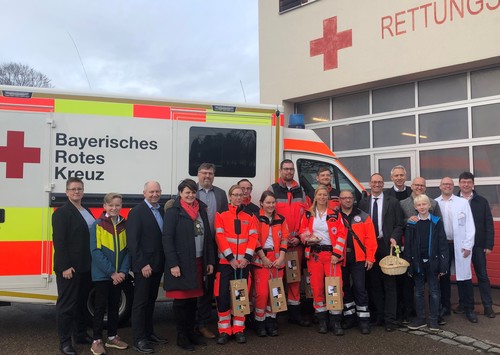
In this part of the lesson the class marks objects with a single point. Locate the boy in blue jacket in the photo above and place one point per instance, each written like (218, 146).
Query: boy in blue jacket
(426, 250)
(110, 266)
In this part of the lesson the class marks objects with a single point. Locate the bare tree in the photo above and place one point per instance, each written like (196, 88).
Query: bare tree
(22, 75)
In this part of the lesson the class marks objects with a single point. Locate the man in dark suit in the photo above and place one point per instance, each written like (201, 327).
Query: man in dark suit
(144, 240)
(71, 239)
(399, 190)
(387, 217)
(216, 200)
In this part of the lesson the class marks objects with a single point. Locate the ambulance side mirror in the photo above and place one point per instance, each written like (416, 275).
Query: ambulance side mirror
(2, 215)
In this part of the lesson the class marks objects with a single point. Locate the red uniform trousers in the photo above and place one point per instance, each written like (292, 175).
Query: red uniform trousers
(293, 289)
(223, 300)
(261, 276)
(320, 266)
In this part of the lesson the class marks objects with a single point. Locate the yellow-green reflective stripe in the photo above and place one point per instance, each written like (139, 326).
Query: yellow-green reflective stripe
(28, 295)
(24, 224)
(94, 108)
(250, 119)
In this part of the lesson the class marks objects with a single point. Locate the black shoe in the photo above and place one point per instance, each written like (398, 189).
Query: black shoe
(143, 346)
(390, 327)
(445, 311)
(471, 316)
(459, 310)
(488, 312)
(364, 327)
(223, 339)
(376, 323)
(417, 324)
(196, 339)
(183, 342)
(349, 322)
(83, 338)
(155, 339)
(67, 349)
(261, 330)
(337, 329)
(323, 327)
(240, 338)
(441, 321)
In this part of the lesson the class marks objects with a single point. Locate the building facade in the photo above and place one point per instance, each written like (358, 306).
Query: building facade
(392, 82)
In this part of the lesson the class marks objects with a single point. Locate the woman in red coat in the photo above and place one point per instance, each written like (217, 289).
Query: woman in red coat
(324, 234)
(269, 259)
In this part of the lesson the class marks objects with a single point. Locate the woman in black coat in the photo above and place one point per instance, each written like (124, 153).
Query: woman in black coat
(189, 258)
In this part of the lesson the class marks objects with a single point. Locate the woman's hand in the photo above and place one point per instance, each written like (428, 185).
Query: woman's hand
(243, 263)
(280, 262)
(210, 269)
(335, 259)
(175, 271)
(234, 264)
(266, 262)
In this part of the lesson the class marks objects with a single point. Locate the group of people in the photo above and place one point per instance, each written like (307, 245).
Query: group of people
(203, 239)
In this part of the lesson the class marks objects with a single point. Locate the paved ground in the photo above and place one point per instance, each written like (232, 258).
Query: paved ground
(30, 329)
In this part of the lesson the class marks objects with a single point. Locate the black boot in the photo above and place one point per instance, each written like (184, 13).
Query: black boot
(260, 328)
(336, 325)
(323, 322)
(181, 316)
(349, 322)
(194, 338)
(295, 317)
(364, 326)
(272, 327)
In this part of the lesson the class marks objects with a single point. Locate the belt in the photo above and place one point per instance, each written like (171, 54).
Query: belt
(320, 248)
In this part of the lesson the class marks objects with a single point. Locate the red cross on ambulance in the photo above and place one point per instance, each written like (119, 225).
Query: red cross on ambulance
(14, 154)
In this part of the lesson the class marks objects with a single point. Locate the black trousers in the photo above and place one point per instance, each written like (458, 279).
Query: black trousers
(107, 296)
(382, 291)
(145, 294)
(185, 315)
(444, 282)
(71, 302)
(356, 293)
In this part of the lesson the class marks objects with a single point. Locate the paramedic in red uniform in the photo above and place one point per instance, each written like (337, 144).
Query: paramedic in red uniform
(269, 261)
(324, 177)
(323, 232)
(72, 260)
(236, 237)
(291, 203)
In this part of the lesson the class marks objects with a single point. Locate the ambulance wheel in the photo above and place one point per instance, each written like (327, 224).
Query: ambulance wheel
(125, 308)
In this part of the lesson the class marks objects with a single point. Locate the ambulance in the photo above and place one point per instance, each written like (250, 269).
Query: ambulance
(116, 144)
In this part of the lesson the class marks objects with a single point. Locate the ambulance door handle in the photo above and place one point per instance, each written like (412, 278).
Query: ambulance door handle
(2, 215)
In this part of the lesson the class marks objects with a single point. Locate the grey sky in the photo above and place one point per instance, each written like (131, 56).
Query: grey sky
(186, 49)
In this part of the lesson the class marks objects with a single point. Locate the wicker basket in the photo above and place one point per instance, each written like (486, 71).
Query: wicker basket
(393, 265)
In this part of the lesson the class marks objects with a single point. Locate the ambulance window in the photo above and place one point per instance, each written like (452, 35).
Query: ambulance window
(307, 169)
(233, 151)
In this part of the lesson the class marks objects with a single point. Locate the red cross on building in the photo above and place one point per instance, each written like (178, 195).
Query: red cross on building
(15, 155)
(331, 42)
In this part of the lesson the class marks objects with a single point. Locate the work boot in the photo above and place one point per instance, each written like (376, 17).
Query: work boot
(260, 328)
(364, 327)
(336, 325)
(349, 322)
(323, 322)
(272, 326)
(294, 316)
(183, 341)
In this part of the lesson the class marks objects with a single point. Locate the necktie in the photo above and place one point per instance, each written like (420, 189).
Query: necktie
(375, 215)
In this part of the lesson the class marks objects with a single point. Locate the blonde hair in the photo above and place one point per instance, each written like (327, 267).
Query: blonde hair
(421, 198)
(315, 203)
(232, 188)
(108, 198)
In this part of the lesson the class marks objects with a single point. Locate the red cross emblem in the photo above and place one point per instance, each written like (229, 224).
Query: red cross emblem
(331, 42)
(15, 155)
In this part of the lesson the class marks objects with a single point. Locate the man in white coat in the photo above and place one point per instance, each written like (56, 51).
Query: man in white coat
(460, 231)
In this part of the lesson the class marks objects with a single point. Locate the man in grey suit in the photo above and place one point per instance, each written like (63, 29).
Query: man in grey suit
(216, 200)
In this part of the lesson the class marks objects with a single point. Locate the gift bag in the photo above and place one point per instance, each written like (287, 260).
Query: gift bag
(306, 284)
(240, 302)
(292, 267)
(333, 291)
(277, 297)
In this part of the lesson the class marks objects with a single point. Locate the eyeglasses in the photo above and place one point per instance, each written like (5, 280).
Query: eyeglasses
(75, 189)
(237, 195)
(346, 198)
(246, 188)
(418, 185)
(377, 182)
(288, 169)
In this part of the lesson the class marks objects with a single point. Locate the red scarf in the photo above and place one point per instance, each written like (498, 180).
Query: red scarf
(192, 210)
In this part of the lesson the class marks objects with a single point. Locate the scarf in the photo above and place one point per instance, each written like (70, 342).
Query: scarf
(192, 210)
(246, 200)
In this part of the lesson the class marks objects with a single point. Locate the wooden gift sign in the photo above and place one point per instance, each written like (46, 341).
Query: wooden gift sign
(240, 303)
(277, 295)
(306, 283)
(292, 267)
(333, 292)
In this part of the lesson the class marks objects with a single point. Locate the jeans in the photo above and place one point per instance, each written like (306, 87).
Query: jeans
(479, 262)
(434, 294)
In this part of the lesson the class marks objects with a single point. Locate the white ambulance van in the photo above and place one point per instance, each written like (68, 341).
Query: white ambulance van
(117, 143)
